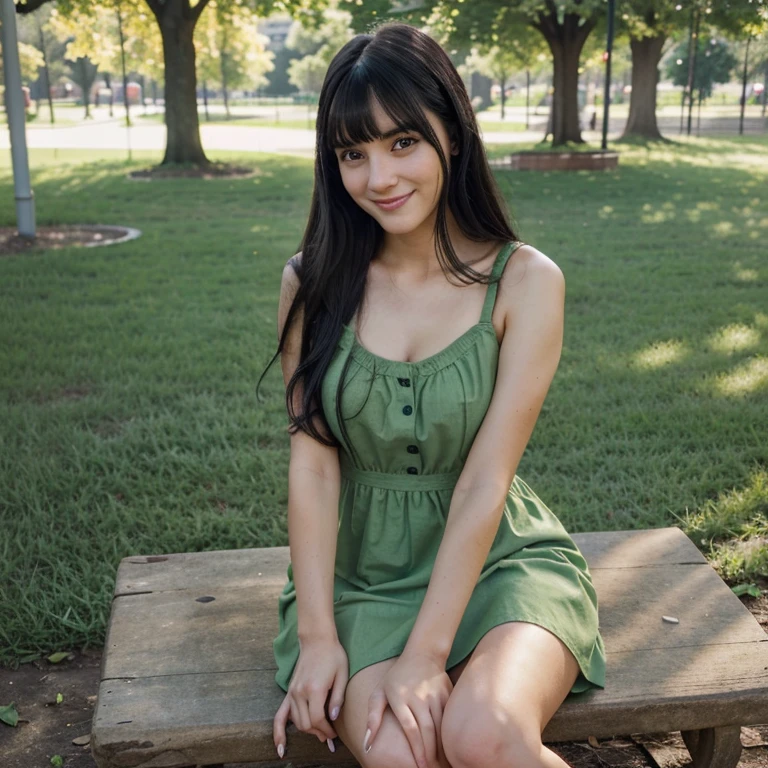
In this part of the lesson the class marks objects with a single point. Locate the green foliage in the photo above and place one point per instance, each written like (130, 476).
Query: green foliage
(714, 64)
(229, 47)
(319, 44)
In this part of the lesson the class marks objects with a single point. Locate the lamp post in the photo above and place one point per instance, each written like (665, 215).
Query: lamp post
(607, 60)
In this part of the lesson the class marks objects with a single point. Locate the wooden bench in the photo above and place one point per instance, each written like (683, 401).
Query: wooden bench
(187, 675)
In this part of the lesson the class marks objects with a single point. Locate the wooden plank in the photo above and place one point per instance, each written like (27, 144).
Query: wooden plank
(178, 720)
(217, 569)
(172, 632)
(241, 567)
(637, 549)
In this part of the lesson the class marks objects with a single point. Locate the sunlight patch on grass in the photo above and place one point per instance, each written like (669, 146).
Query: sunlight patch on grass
(733, 338)
(659, 216)
(747, 378)
(723, 228)
(660, 354)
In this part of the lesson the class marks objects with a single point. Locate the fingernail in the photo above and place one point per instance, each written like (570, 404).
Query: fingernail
(335, 713)
(366, 748)
(280, 750)
(329, 742)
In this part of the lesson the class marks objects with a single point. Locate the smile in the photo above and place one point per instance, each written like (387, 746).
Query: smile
(396, 203)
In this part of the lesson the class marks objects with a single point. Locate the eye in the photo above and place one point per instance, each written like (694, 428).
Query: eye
(343, 156)
(346, 152)
(407, 138)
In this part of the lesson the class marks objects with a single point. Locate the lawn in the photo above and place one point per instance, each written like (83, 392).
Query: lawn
(130, 421)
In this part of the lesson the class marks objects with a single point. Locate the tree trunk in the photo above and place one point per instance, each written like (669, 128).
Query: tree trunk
(565, 41)
(177, 26)
(224, 84)
(108, 81)
(646, 54)
(85, 85)
(503, 96)
(45, 69)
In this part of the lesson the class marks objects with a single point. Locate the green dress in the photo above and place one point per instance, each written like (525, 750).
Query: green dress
(410, 427)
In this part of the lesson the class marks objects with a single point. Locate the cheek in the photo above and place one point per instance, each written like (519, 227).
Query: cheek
(353, 180)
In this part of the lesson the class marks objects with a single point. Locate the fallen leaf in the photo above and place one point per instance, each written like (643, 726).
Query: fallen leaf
(9, 715)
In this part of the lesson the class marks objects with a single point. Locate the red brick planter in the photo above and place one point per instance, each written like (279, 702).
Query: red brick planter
(560, 161)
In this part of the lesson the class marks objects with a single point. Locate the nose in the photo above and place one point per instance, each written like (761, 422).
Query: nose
(381, 173)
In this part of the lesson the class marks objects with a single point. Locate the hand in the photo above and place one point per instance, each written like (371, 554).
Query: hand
(417, 688)
(322, 665)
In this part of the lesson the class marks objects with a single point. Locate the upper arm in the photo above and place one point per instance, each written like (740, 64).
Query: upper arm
(305, 450)
(533, 293)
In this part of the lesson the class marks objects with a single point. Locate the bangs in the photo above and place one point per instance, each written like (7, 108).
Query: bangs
(350, 117)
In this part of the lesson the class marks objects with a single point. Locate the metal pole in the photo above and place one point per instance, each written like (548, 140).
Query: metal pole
(16, 110)
(608, 49)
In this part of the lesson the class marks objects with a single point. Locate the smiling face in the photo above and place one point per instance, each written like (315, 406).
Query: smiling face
(397, 164)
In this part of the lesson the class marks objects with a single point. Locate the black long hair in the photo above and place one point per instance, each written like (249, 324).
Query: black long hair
(406, 71)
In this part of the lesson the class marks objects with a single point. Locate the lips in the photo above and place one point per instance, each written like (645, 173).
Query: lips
(393, 202)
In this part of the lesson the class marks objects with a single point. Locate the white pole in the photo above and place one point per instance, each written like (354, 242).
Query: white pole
(16, 112)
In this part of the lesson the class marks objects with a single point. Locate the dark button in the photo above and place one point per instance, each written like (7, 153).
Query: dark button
(413, 471)
(407, 410)
(404, 382)
(412, 449)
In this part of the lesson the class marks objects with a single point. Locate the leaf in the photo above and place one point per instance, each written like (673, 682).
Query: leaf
(9, 715)
(57, 761)
(746, 589)
(55, 658)
(59, 698)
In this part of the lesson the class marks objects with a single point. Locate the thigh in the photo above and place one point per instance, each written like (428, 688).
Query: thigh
(518, 666)
(391, 748)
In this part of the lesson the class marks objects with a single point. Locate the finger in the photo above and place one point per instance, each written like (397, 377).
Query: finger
(317, 716)
(278, 725)
(296, 717)
(412, 731)
(303, 723)
(437, 718)
(336, 701)
(377, 703)
(426, 725)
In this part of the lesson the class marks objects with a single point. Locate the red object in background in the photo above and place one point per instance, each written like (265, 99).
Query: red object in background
(27, 99)
(605, 55)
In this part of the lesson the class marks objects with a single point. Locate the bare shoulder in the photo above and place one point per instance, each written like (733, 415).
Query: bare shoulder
(530, 271)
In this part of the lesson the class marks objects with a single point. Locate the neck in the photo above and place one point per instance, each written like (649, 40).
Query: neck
(414, 254)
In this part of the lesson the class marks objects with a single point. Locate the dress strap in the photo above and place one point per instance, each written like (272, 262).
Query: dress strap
(498, 268)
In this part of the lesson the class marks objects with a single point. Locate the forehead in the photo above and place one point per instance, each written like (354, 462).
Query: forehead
(365, 120)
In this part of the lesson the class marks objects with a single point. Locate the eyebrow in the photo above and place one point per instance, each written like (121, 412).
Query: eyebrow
(383, 136)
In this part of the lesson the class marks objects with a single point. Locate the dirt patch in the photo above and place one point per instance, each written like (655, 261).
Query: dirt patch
(63, 236)
(209, 171)
(47, 728)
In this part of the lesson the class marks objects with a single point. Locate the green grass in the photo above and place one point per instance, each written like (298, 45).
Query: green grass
(129, 418)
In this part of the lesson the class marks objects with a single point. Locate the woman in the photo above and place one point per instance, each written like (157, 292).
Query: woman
(437, 613)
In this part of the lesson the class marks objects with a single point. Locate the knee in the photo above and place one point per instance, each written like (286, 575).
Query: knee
(390, 748)
(491, 738)
(388, 755)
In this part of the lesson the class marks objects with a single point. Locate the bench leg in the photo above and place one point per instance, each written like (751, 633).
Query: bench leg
(714, 747)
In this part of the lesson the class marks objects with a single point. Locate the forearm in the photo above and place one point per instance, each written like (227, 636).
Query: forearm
(313, 520)
(473, 520)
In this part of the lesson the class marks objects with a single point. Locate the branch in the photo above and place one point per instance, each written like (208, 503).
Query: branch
(29, 6)
(156, 7)
(195, 12)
